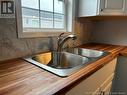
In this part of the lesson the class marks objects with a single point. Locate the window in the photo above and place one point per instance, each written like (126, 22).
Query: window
(43, 16)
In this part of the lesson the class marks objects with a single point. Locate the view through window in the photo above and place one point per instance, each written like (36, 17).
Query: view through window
(43, 14)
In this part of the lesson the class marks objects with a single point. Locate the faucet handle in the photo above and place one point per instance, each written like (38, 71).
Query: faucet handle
(60, 35)
(60, 38)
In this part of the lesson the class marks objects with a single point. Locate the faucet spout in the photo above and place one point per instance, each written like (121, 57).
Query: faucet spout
(64, 40)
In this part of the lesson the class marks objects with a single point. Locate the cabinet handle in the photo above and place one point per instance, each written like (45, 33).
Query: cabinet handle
(102, 93)
(101, 10)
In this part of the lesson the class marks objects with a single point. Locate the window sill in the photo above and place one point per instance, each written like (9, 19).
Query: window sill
(41, 34)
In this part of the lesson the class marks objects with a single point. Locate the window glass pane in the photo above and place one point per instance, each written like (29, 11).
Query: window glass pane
(46, 5)
(58, 21)
(30, 18)
(59, 6)
(58, 14)
(46, 19)
(48, 16)
(30, 3)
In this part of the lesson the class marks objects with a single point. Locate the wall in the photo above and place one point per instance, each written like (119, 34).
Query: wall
(13, 47)
(110, 31)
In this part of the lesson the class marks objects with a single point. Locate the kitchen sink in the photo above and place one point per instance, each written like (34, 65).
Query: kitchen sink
(66, 62)
(59, 63)
(87, 52)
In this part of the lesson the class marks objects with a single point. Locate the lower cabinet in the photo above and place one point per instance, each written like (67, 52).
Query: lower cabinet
(98, 83)
(106, 90)
(106, 86)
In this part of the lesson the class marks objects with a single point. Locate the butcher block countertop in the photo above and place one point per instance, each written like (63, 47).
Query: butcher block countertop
(18, 77)
(124, 52)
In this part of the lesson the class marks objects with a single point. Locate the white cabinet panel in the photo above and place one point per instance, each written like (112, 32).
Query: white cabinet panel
(87, 7)
(94, 84)
(114, 4)
(112, 7)
(102, 7)
(107, 89)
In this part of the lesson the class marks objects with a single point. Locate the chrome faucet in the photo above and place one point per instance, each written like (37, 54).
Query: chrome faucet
(62, 40)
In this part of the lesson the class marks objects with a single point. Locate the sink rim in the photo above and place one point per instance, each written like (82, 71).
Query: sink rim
(104, 52)
(65, 71)
(60, 72)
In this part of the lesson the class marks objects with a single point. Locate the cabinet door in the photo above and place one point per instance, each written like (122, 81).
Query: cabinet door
(112, 7)
(97, 92)
(107, 89)
(106, 86)
(91, 85)
(88, 8)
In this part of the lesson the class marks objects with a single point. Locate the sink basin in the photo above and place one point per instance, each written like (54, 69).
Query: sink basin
(87, 52)
(67, 62)
(59, 63)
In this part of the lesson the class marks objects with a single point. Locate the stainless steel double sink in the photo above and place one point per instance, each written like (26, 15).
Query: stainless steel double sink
(66, 62)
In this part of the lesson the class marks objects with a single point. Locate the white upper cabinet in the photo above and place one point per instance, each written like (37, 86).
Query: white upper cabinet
(102, 7)
(112, 7)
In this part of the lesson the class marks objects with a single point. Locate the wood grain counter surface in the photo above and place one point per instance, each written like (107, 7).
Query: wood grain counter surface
(19, 77)
(124, 52)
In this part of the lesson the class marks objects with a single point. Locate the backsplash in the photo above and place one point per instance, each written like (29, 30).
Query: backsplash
(13, 47)
(110, 32)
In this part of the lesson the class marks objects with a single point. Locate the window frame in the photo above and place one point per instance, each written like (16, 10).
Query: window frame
(46, 32)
